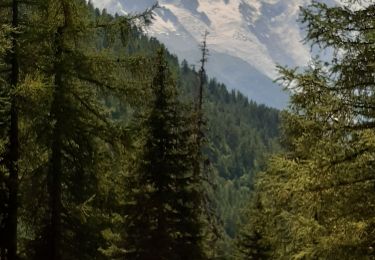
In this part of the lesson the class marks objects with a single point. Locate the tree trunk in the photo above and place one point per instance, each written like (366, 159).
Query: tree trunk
(13, 156)
(55, 169)
(199, 107)
(55, 205)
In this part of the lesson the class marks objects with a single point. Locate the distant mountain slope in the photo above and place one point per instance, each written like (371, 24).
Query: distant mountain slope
(247, 38)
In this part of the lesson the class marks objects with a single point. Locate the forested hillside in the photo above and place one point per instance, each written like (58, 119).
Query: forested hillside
(105, 150)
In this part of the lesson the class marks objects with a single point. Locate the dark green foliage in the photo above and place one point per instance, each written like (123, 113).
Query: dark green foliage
(240, 134)
(251, 246)
(164, 202)
(250, 241)
(13, 70)
(241, 129)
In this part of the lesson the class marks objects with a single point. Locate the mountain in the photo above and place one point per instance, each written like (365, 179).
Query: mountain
(247, 38)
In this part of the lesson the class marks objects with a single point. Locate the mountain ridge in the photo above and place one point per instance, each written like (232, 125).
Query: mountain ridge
(247, 39)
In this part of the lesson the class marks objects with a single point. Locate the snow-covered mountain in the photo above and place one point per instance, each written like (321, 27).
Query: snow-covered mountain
(247, 38)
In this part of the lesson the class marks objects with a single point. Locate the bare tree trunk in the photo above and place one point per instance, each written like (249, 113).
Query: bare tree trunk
(13, 152)
(199, 107)
(55, 169)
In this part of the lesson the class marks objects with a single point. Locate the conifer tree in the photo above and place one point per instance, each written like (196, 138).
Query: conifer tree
(80, 137)
(317, 197)
(162, 212)
(250, 242)
(15, 18)
(199, 135)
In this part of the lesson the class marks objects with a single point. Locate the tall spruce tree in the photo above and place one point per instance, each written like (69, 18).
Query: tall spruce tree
(163, 208)
(250, 241)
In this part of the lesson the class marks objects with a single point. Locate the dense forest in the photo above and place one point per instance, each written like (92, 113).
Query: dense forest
(112, 148)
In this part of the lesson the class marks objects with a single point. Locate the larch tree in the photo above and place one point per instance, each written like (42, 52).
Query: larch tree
(317, 199)
(79, 135)
(15, 23)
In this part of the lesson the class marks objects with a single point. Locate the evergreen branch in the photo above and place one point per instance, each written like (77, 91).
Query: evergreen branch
(362, 126)
(89, 108)
(95, 82)
(127, 19)
(342, 184)
(350, 157)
